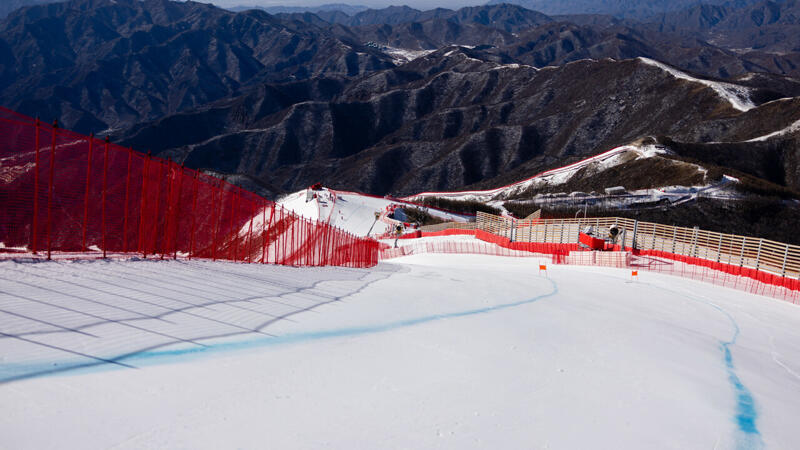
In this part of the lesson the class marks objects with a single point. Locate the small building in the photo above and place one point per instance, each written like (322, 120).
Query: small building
(616, 190)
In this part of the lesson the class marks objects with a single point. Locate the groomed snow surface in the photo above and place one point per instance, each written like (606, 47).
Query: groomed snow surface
(428, 351)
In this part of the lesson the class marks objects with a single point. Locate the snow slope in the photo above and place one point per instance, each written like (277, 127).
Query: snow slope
(793, 128)
(737, 96)
(352, 211)
(431, 351)
(561, 175)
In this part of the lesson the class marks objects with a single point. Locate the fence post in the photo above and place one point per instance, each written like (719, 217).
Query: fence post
(142, 214)
(86, 195)
(561, 234)
(127, 200)
(785, 255)
(177, 215)
(35, 189)
(217, 219)
(719, 248)
(266, 229)
(635, 232)
(250, 234)
(758, 254)
(741, 258)
(50, 191)
(194, 214)
(279, 238)
(158, 207)
(167, 211)
(105, 188)
(674, 238)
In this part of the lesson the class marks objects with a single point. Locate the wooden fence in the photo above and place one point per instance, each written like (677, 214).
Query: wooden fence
(750, 252)
(448, 226)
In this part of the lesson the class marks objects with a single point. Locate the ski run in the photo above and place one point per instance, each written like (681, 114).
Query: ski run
(425, 351)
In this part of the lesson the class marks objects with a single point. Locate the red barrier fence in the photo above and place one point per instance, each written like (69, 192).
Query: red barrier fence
(65, 192)
(720, 274)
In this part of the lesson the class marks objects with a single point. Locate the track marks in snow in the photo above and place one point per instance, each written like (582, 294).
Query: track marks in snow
(66, 316)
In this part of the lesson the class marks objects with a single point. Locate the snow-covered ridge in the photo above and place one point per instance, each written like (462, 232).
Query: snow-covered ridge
(790, 129)
(737, 96)
(403, 55)
(556, 176)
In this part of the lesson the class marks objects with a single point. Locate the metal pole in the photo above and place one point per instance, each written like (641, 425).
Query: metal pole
(234, 232)
(218, 204)
(105, 188)
(143, 202)
(266, 232)
(167, 212)
(158, 207)
(127, 198)
(50, 191)
(719, 248)
(785, 255)
(741, 258)
(86, 194)
(758, 254)
(35, 189)
(635, 232)
(194, 214)
(674, 239)
(177, 215)
(250, 234)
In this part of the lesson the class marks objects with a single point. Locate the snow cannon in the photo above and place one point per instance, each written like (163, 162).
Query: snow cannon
(590, 241)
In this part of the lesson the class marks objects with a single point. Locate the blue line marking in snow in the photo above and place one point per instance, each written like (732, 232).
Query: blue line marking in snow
(335, 333)
(23, 371)
(746, 413)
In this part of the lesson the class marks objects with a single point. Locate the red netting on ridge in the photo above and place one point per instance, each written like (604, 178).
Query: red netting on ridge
(64, 192)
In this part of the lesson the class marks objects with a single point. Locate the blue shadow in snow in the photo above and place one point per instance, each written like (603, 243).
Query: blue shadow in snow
(153, 357)
(170, 355)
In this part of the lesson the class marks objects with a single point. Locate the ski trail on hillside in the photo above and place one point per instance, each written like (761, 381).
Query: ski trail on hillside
(737, 96)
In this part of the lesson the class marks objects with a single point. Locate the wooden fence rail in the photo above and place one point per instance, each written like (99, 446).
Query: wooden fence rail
(750, 252)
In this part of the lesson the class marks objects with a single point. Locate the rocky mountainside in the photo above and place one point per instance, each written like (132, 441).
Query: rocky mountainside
(766, 26)
(399, 100)
(98, 64)
(464, 117)
(7, 6)
(634, 9)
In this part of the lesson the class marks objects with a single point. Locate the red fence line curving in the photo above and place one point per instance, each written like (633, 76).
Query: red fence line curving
(721, 274)
(66, 193)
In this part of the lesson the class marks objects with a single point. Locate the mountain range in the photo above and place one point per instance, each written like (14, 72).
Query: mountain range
(399, 100)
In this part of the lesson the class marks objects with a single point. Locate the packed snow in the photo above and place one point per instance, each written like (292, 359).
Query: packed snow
(737, 96)
(354, 212)
(428, 351)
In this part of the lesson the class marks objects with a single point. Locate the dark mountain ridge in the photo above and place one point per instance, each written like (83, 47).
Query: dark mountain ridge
(283, 101)
(461, 117)
(96, 64)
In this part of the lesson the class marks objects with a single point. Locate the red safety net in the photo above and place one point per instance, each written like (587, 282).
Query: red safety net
(66, 193)
(741, 278)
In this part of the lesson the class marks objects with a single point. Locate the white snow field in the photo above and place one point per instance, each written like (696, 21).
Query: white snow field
(352, 211)
(428, 351)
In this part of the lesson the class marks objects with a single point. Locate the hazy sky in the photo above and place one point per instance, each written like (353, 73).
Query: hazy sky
(418, 4)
